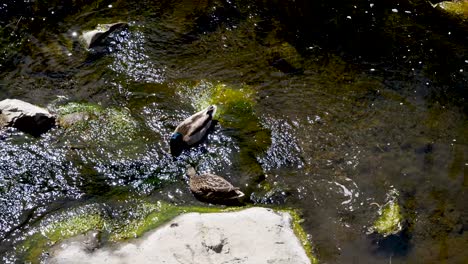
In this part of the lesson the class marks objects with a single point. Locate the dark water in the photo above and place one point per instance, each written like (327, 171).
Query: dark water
(341, 104)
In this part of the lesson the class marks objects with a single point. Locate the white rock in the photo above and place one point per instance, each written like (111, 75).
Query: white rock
(255, 236)
(25, 116)
(94, 37)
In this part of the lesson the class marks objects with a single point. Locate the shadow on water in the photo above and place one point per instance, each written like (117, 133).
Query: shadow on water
(325, 107)
(392, 246)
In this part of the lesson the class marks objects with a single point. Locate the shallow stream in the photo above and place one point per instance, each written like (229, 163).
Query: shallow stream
(325, 107)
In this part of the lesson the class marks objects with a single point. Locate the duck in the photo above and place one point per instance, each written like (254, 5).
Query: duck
(210, 187)
(192, 130)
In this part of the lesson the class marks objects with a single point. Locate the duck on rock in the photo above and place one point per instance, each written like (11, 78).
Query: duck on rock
(211, 187)
(192, 130)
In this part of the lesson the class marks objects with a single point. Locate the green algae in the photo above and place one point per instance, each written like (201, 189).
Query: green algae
(459, 7)
(158, 214)
(301, 234)
(236, 111)
(79, 107)
(35, 245)
(389, 221)
(104, 125)
(74, 226)
(390, 217)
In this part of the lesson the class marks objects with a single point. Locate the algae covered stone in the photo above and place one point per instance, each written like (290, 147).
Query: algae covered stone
(94, 123)
(142, 220)
(389, 221)
(266, 236)
(457, 7)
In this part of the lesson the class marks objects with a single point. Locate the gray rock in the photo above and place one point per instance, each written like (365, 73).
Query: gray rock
(69, 120)
(255, 235)
(95, 37)
(25, 117)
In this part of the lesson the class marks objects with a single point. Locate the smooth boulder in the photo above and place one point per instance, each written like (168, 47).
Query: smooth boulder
(96, 37)
(254, 235)
(25, 117)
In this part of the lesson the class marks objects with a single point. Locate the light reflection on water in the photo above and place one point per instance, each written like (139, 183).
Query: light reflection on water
(32, 174)
(284, 150)
(341, 137)
(131, 61)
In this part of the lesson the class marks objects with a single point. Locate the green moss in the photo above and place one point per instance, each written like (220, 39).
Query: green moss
(158, 214)
(74, 226)
(79, 107)
(455, 7)
(301, 234)
(35, 245)
(286, 52)
(236, 110)
(389, 221)
(104, 125)
(95, 128)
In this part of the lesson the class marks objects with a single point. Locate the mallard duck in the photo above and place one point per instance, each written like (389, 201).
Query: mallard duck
(191, 130)
(211, 187)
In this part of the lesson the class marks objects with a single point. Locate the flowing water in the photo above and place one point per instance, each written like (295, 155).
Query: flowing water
(325, 107)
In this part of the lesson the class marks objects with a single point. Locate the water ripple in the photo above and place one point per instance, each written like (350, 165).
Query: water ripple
(284, 149)
(31, 175)
(131, 60)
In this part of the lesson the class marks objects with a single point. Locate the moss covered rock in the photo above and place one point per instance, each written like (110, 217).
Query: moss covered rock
(93, 123)
(214, 238)
(124, 223)
(458, 7)
(236, 111)
(389, 221)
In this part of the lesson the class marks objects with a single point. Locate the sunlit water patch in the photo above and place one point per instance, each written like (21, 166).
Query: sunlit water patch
(284, 150)
(131, 59)
(32, 175)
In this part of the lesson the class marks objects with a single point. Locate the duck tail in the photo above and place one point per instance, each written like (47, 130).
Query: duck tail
(211, 110)
(239, 194)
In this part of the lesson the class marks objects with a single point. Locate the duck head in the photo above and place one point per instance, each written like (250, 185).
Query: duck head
(191, 172)
(177, 144)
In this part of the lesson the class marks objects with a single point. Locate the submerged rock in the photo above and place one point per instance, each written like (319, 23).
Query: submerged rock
(69, 120)
(26, 117)
(457, 7)
(390, 220)
(95, 37)
(255, 235)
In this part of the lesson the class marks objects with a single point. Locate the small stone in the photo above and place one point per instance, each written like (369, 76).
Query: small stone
(69, 120)
(95, 37)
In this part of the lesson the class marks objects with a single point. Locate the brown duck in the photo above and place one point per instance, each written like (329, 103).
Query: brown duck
(211, 187)
(192, 130)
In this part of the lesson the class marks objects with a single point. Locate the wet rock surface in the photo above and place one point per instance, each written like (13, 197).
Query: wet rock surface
(255, 235)
(95, 37)
(69, 120)
(26, 117)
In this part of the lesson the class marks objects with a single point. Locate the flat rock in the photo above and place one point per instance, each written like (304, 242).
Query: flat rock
(25, 117)
(255, 236)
